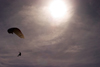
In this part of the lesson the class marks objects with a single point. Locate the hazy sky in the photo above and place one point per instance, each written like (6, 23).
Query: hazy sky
(73, 41)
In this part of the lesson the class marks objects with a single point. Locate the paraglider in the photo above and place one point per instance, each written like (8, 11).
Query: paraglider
(19, 54)
(16, 31)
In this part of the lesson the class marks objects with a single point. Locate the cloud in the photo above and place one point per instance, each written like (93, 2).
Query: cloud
(74, 44)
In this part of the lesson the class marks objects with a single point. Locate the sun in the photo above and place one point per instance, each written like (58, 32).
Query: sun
(57, 8)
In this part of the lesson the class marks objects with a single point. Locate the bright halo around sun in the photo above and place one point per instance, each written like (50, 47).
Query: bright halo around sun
(57, 8)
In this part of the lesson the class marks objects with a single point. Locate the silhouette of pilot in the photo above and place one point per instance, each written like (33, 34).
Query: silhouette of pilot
(19, 54)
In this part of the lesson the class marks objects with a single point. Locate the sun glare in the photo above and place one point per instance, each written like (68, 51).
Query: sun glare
(57, 8)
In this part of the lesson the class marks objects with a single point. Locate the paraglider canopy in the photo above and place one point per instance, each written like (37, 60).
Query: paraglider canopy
(17, 31)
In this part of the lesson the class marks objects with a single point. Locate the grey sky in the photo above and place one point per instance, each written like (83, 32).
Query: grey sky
(75, 43)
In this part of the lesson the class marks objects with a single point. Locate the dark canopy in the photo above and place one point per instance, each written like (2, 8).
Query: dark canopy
(16, 31)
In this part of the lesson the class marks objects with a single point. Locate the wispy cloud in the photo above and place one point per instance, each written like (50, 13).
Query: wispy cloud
(75, 44)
